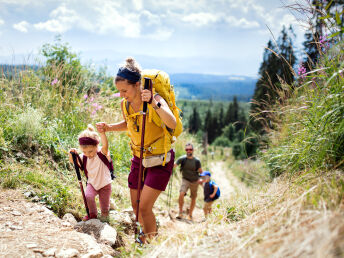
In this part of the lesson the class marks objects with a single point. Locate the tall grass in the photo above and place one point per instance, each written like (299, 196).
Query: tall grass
(310, 135)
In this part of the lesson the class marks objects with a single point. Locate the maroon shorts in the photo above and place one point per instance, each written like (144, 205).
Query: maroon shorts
(155, 177)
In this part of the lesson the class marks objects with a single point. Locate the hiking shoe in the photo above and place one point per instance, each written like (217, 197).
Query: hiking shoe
(180, 216)
(140, 238)
(189, 217)
(86, 218)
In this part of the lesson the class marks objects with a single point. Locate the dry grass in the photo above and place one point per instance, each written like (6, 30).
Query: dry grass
(280, 222)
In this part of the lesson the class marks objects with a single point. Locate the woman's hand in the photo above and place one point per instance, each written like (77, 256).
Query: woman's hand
(102, 127)
(146, 95)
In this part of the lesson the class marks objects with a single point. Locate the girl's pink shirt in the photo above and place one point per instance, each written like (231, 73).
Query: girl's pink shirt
(98, 173)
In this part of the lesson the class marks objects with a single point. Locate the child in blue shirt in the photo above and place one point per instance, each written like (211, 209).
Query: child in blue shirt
(211, 191)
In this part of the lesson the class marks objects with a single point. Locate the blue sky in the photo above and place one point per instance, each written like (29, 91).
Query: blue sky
(188, 36)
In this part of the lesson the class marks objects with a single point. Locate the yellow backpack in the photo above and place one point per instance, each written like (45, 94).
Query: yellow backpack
(162, 86)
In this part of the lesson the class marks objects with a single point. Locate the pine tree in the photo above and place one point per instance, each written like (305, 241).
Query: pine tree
(195, 122)
(208, 126)
(278, 61)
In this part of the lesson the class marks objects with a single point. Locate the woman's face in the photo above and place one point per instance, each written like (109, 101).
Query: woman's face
(128, 91)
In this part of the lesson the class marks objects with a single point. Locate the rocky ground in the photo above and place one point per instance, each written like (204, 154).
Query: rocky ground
(29, 229)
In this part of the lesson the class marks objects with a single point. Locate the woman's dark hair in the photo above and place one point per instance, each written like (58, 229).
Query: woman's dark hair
(132, 65)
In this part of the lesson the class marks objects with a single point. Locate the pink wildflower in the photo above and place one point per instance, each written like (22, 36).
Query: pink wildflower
(85, 96)
(54, 81)
(116, 95)
(91, 100)
(302, 71)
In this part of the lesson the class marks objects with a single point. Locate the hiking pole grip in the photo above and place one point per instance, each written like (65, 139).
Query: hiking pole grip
(147, 86)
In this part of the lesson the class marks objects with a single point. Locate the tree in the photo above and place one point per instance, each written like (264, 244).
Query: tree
(276, 68)
(333, 11)
(229, 132)
(195, 122)
(209, 126)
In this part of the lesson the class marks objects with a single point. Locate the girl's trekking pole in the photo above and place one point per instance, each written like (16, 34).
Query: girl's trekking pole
(147, 86)
(76, 166)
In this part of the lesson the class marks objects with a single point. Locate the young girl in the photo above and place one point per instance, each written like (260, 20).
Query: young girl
(99, 178)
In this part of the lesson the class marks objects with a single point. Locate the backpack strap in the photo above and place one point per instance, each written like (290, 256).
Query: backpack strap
(108, 163)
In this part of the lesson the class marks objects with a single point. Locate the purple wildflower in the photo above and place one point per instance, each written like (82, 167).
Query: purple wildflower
(94, 112)
(302, 71)
(54, 81)
(116, 95)
(85, 96)
(91, 99)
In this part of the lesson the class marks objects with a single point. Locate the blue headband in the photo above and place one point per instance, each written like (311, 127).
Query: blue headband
(129, 75)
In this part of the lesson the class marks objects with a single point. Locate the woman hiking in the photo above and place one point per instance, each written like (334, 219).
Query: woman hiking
(155, 178)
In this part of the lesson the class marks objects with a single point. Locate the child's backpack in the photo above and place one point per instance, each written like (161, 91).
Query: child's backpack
(162, 86)
(105, 160)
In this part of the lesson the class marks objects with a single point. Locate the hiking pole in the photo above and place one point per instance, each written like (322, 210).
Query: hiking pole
(147, 86)
(76, 166)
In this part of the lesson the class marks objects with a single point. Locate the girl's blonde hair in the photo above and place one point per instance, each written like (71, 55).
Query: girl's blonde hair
(90, 132)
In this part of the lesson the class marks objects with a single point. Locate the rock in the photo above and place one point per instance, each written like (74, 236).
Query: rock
(13, 227)
(101, 231)
(67, 253)
(31, 245)
(28, 194)
(66, 224)
(7, 208)
(35, 199)
(70, 218)
(93, 254)
(50, 252)
(112, 204)
(16, 213)
(108, 235)
(121, 218)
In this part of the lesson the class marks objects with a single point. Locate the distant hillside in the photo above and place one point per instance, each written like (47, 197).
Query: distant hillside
(9, 70)
(216, 87)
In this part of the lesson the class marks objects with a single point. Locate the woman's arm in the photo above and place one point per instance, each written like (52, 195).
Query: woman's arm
(120, 126)
(163, 111)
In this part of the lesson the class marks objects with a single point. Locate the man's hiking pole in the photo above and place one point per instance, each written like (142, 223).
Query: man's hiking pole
(76, 166)
(147, 86)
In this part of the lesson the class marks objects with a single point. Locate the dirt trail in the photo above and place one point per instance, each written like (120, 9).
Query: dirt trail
(229, 185)
(31, 230)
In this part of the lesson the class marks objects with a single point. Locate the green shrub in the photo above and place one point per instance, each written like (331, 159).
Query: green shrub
(222, 141)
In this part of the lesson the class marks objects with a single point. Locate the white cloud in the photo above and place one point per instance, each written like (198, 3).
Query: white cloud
(241, 23)
(138, 5)
(22, 26)
(1, 22)
(200, 19)
(62, 20)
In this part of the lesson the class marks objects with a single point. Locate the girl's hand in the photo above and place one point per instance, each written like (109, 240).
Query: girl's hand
(146, 95)
(101, 127)
(73, 150)
(212, 196)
